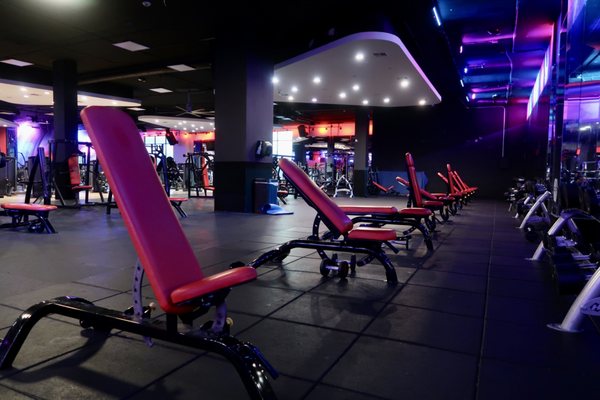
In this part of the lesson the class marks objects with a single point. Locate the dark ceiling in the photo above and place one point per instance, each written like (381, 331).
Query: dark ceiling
(510, 35)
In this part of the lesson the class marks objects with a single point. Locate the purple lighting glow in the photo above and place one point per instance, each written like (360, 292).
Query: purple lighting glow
(477, 39)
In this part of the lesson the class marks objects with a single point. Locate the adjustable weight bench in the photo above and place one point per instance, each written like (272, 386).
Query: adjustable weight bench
(342, 235)
(415, 197)
(165, 255)
(378, 216)
(20, 214)
(448, 201)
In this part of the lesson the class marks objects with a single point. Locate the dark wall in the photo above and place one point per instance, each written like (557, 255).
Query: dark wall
(470, 139)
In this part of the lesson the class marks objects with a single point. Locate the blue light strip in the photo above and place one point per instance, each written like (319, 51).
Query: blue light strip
(437, 17)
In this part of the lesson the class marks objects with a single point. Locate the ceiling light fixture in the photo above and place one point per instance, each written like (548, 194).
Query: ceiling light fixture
(314, 99)
(16, 63)
(365, 102)
(317, 80)
(359, 56)
(422, 102)
(356, 87)
(342, 95)
(274, 80)
(291, 98)
(161, 90)
(131, 46)
(386, 100)
(294, 89)
(404, 82)
(181, 67)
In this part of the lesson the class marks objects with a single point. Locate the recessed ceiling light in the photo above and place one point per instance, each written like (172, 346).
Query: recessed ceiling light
(317, 80)
(295, 89)
(275, 80)
(462, 83)
(181, 67)
(157, 121)
(26, 96)
(359, 56)
(23, 89)
(16, 63)
(46, 92)
(365, 102)
(161, 90)
(136, 109)
(131, 46)
(314, 99)
(422, 102)
(386, 100)
(356, 87)
(473, 96)
(342, 95)
(290, 98)
(114, 103)
(404, 82)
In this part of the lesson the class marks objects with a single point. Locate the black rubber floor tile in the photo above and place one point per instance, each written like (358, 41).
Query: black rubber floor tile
(10, 394)
(448, 280)
(458, 266)
(8, 315)
(527, 382)
(301, 351)
(214, 378)
(50, 338)
(264, 299)
(521, 289)
(330, 311)
(401, 370)
(27, 299)
(287, 279)
(455, 255)
(417, 325)
(115, 279)
(538, 345)
(90, 373)
(14, 284)
(531, 272)
(367, 290)
(526, 311)
(333, 393)
(443, 300)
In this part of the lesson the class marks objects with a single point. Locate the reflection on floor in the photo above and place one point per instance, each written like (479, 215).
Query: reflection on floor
(466, 322)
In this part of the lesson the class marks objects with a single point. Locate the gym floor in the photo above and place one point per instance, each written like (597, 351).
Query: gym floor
(467, 321)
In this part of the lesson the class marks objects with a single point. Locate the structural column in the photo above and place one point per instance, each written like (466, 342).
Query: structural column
(244, 115)
(361, 153)
(65, 121)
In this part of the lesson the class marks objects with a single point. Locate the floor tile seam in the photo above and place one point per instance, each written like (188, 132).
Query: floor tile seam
(419, 344)
(163, 376)
(374, 396)
(436, 310)
(357, 337)
(450, 272)
(479, 366)
(29, 395)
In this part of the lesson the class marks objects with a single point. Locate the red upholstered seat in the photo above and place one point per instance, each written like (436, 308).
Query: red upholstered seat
(229, 278)
(415, 212)
(368, 210)
(28, 207)
(161, 245)
(378, 234)
(432, 203)
(178, 199)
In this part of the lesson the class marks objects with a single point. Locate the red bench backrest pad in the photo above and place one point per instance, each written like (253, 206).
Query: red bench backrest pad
(159, 240)
(323, 204)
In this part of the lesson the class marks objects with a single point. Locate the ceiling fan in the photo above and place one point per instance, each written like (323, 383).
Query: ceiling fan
(189, 109)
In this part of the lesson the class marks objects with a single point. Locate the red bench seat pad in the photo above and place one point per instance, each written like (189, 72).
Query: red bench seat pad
(367, 210)
(229, 278)
(28, 207)
(378, 234)
(415, 212)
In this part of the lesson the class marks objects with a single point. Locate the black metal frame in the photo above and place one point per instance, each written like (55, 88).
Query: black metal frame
(333, 240)
(20, 217)
(246, 358)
